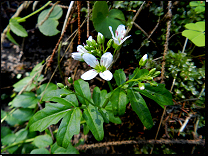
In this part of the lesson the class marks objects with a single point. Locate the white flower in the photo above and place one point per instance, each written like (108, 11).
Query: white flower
(80, 51)
(101, 68)
(119, 34)
(144, 58)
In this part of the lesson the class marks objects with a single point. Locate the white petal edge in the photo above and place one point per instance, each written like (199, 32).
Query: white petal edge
(110, 28)
(89, 75)
(106, 75)
(90, 59)
(81, 49)
(77, 56)
(125, 39)
(106, 59)
(90, 38)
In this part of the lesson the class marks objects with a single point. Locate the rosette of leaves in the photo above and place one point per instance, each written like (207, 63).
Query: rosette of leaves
(189, 79)
(48, 28)
(102, 18)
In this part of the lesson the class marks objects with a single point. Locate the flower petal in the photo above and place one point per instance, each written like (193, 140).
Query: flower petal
(77, 56)
(122, 41)
(90, 38)
(106, 59)
(121, 31)
(81, 49)
(90, 59)
(110, 28)
(106, 75)
(89, 74)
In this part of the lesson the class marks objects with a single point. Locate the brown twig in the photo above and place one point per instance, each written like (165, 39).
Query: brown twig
(88, 18)
(152, 141)
(158, 127)
(47, 16)
(166, 42)
(79, 31)
(62, 6)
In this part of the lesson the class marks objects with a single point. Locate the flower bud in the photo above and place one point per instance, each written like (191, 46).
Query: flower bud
(100, 38)
(152, 71)
(110, 42)
(156, 74)
(141, 86)
(89, 43)
(143, 60)
(94, 43)
(153, 83)
(70, 80)
(60, 85)
(149, 78)
(63, 95)
(87, 48)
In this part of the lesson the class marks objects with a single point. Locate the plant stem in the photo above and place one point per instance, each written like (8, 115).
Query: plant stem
(16, 143)
(8, 114)
(110, 86)
(59, 50)
(33, 13)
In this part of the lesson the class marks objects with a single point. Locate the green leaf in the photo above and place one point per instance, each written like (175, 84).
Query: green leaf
(25, 100)
(21, 135)
(159, 94)
(69, 100)
(40, 151)
(23, 114)
(139, 74)
(9, 36)
(103, 97)
(51, 86)
(114, 119)
(119, 101)
(139, 106)
(13, 121)
(55, 93)
(104, 114)
(60, 150)
(85, 129)
(70, 125)
(22, 83)
(8, 139)
(17, 28)
(12, 149)
(43, 141)
(196, 33)
(120, 77)
(48, 28)
(102, 18)
(96, 96)
(94, 121)
(3, 114)
(5, 131)
(51, 114)
(83, 89)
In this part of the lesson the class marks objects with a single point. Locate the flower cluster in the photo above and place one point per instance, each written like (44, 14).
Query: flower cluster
(92, 48)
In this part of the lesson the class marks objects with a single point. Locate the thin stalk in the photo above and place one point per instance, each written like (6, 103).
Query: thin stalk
(33, 13)
(59, 55)
(17, 143)
(8, 114)
(110, 86)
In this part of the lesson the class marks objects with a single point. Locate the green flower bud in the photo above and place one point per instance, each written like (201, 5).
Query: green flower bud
(94, 43)
(70, 80)
(110, 42)
(143, 60)
(100, 38)
(141, 86)
(149, 78)
(89, 43)
(87, 48)
(153, 83)
(60, 85)
(152, 71)
(156, 74)
(63, 95)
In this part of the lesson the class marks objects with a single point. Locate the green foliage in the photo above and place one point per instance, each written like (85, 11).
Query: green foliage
(17, 28)
(43, 141)
(48, 28)
(40, 151)
(188, 77)
(102, 18)
(196, 33)
(200, 6)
